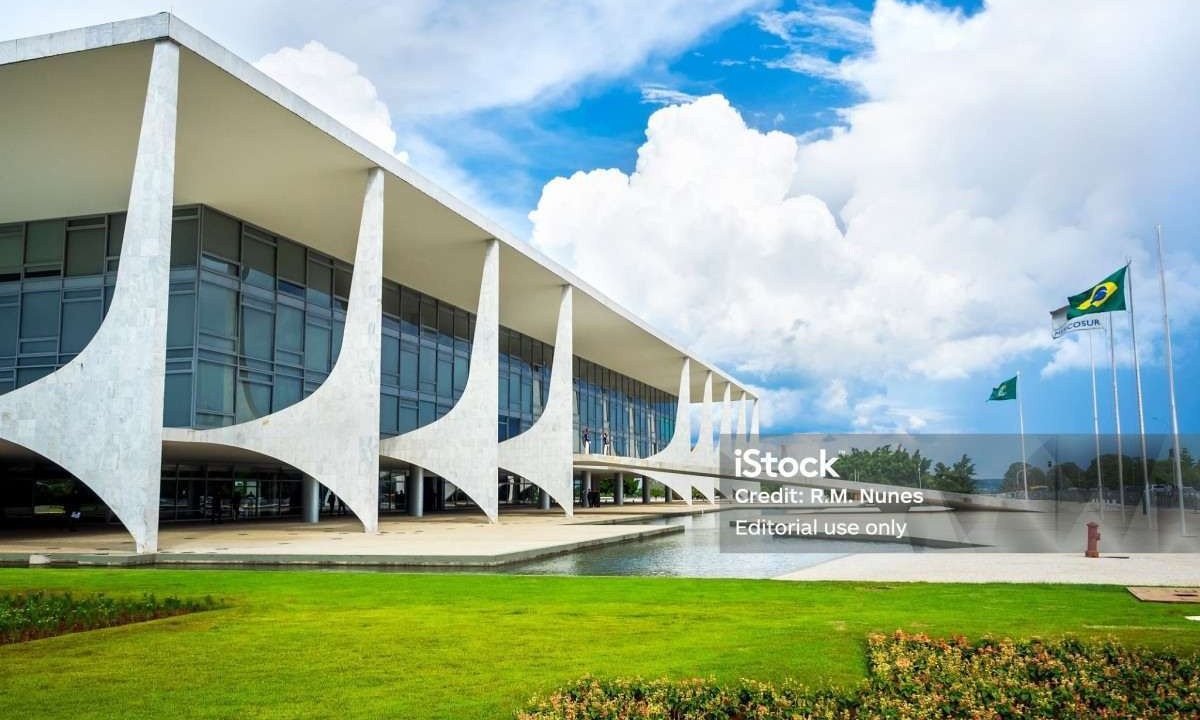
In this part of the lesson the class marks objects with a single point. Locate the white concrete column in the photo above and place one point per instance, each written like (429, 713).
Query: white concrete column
(585, 487)
(678, 452)
(619, 490)
(414, 488)
(100, 415)
(310, 494)
(741, 418)
(645, 490)
(461, 446)
(754, 421)
(704, 444)
(333, 434)
(544, 499)
(542, 454)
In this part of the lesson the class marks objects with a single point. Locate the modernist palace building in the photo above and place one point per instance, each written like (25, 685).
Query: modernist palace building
(216, 299)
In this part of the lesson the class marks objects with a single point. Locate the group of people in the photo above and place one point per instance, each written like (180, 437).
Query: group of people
(605, 445)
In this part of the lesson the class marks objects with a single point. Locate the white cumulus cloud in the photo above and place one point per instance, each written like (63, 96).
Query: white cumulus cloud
(993, 165)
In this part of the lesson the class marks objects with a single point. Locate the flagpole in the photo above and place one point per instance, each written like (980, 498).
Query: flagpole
(1137, 375)
(1021, 425)
(1112, 362)
(1096, 428)
(1162, 281)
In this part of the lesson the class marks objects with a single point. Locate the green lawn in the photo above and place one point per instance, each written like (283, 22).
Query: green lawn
(377, 645)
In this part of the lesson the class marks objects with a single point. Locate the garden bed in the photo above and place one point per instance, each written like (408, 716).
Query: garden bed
(35, 615)
(914, 676)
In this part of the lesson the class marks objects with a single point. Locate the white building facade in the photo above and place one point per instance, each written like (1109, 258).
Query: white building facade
(217, 302)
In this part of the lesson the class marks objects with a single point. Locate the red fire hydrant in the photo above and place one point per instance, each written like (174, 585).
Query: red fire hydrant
(1093, 543)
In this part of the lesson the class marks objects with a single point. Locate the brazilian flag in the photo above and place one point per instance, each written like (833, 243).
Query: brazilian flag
(1006, 390)
(1108, 295)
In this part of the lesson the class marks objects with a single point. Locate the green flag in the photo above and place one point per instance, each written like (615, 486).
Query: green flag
(1108, 295)
(1006, 390)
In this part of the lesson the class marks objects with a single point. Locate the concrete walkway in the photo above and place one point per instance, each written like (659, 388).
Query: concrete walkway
(442, 539)
(1181, 569)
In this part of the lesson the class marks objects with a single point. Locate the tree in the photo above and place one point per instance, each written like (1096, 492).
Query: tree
(1013, 481)
(885, 466)
(959, 477)
(1108, 464)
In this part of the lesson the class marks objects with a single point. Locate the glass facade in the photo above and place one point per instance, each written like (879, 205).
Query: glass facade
(524, 381)
(255, 324)
(638, 419)
(254, 320)
(56, 281)
(426, 356)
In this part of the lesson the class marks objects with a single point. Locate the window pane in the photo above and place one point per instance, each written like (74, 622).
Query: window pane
(460, 373)
(221, 235)
(39, 314)
(444, 378)
(183, 242)
(257, 331)
(291, 262)
(408, 370)
(408, 417)
(425, 413)
(427, 369)
(8, 331)
(181, 320)
(287, 392)
(116, 234)
(320, 283)
(44, 241)
(289, 329)
(80, 320)
(11, 249)
(339, 328)
(391, 299)
(218, 310)
(341, 282)
(85, 252)
(389, 407)
(214, 387)
(258, 263)
(391, 355)
(254, 401)
(428, 313)
(316, 348)
(177, 401)
(410, 313)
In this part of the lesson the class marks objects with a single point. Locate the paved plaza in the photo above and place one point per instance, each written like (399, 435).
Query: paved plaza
(447, 539)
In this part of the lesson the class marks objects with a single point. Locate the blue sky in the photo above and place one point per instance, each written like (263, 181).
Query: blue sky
(947, 173)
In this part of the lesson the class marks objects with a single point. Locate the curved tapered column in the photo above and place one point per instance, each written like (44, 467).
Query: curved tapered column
(100, 415)
(678, 482)
(333, 434)
(461, 446)
(678, 451)
(704, 454)
(542, 454)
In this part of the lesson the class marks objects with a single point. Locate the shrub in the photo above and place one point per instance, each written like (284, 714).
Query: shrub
(915, 677)
(33, 615)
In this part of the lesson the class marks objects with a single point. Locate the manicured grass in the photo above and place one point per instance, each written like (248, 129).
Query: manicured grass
(376, 645)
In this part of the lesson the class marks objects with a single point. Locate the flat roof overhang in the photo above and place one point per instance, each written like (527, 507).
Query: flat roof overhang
(248, 146)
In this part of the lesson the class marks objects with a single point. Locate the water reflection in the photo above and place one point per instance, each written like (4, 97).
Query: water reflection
(692, 553)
